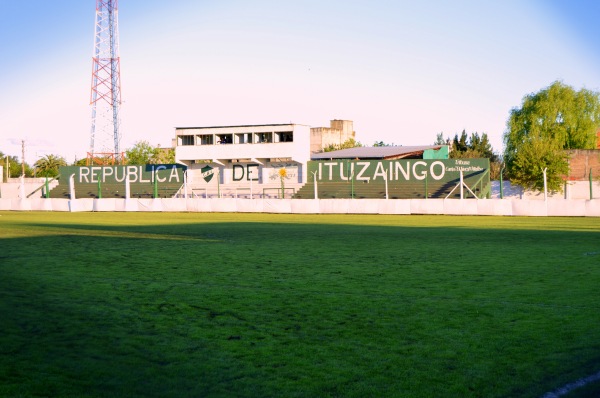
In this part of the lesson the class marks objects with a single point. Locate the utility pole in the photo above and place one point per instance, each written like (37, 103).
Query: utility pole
(23, 158)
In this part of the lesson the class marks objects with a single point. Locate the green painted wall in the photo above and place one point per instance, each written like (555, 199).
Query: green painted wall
(396, 170)
(397, 179)
(165, 173)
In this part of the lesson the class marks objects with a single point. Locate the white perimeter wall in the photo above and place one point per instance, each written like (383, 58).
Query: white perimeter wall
(574, 189)
(482, 207)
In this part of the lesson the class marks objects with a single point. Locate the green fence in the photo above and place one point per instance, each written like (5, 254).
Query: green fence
(397, 179)
(147, 181)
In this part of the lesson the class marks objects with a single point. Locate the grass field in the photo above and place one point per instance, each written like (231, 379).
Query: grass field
(255, 305)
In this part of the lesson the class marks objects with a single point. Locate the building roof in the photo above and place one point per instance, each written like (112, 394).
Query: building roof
(376, 152)
(238, 126)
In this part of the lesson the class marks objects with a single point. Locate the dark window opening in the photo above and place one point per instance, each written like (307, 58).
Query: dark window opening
(186, 140)
(224, 138)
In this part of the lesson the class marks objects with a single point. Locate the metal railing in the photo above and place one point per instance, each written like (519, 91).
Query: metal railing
(46, 185)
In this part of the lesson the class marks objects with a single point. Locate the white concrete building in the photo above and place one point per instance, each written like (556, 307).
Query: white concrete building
(247, 160)
(243, 160)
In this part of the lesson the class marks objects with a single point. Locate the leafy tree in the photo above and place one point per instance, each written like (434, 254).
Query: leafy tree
(439, 140)
(163, 156)
(460, 144)
(80, 162)
(48, 165)
(547, 123)
(381, 143)
(144, 153)
(349, 143)
(472, 147)
(15, 167)
(29, 171)
(482, 146)
(141, 153)
(527, 169)
(3, 164)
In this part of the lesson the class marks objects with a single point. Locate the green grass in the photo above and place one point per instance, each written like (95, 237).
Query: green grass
(248, 305)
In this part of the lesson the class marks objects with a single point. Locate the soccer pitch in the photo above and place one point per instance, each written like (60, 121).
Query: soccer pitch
(258, 305)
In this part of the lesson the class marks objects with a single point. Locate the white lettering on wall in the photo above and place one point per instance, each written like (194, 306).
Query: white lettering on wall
(156, 173)
(132, 173)
(432, 171)
(379, 171)
(349, 167)
(107, 171)
(95, 171)
(360, 176)
(423, 173)
(330, 164)
(124, 171)
(142, 175)
(405, 172)
(84, 173)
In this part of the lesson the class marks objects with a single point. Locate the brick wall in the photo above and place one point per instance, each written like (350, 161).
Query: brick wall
(581, 161)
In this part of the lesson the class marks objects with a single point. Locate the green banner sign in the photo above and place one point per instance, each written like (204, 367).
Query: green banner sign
(396, 170)
(150, 173)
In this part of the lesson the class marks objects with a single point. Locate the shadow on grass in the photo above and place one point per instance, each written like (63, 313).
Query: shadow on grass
(260, 309)
(68, 335)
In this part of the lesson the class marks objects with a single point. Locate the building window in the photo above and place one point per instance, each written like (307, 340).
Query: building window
(206, 139)
(260, 138)
(243, 138)
(224, 138)
(186, 140)
(284, 136)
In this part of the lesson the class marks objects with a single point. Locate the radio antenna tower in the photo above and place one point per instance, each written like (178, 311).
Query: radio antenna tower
(106, 86)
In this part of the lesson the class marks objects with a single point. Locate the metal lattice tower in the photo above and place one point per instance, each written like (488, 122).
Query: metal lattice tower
(106, 82)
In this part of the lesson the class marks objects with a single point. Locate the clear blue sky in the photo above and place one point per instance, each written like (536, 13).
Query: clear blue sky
(403, 71)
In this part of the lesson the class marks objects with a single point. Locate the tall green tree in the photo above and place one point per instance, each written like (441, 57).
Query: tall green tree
(48, 165)
(3, 161)
(381, 143)
(163, 156)
(460, 145)
(15, 167)
(144, 153)
(549, 122)
(141, 153)
(527, 168)
(80, 162)
(469, 146)
(439, 140)
(472, 146)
